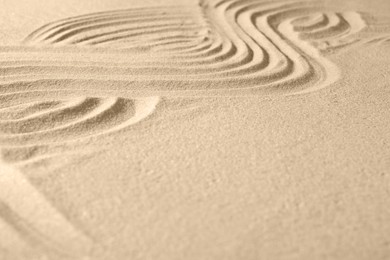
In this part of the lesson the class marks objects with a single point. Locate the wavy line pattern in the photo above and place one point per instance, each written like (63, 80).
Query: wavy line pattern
(75, 116)
(224, 47)
(26, 126)
(91, 75)
(255, 45)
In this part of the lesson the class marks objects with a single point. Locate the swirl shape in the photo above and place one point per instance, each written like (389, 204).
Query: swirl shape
(224, 47)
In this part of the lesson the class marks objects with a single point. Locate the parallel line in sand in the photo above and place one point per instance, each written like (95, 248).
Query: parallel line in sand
(64, 83)
(248, 45)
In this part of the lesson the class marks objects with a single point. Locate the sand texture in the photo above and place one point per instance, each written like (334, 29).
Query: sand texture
(199, 129)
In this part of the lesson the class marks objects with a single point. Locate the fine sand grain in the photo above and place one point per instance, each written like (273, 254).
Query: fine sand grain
(208, 129)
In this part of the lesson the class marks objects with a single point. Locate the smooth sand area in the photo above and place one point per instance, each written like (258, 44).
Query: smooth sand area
(205, 129)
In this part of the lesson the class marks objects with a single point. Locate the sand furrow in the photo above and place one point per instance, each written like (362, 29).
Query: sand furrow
(80, 78)
(24, 219)
(254, 47)
(243, 43)
(78, 119)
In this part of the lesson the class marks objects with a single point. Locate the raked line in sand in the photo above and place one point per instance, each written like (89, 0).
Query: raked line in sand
(65, 82)
(29, 222)
(252, 46)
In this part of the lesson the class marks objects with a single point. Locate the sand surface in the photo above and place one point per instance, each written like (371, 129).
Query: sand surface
(199, 129)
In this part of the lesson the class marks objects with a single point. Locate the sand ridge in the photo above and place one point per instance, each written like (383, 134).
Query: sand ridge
(255, 47)
(37, 223)
(64, 83)
(246, 44)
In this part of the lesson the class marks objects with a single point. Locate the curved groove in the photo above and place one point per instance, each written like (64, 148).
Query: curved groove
(76, 119)
(225, 47)
(82, 77)
(234, 46)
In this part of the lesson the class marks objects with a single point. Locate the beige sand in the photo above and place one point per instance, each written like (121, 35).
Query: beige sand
(205, 129)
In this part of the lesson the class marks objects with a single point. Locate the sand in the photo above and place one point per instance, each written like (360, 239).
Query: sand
(205, 129)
